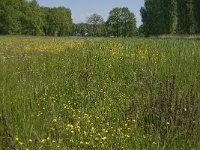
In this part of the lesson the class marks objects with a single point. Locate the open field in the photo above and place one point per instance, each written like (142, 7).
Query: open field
(78, 93)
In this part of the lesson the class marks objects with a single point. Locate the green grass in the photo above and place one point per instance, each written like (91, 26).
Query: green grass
(75, 93)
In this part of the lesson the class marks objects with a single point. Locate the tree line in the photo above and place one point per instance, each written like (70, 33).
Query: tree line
(20, 17)
(120, 23)
(170, 17)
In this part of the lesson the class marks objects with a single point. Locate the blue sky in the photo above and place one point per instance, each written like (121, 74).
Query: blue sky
(83, 8)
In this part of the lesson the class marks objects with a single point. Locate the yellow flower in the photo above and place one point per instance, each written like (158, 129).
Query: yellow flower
(85, 133)
(104, 138)
(96, 138)
(87, 143)
(127, 136)
(93, 130)
(43, 141)
(70, 126)
(104, 130)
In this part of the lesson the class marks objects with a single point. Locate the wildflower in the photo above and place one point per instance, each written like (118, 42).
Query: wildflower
(96, 138)
(85, 133)
(104, 130)
(78, 127)
(127, 136)
(104, 138)
(70, 126)
(93, 130)
(21, 143)
(87, 143)
(43, 141)
(17, 139)
(30, 140)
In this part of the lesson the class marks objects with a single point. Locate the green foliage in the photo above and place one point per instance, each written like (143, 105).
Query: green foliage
(58, 21)
(170, 16)
(82, 29)
(22, 17)
(32, 22)
(121, 22)
(159, 17)
(141, 31)
(10, 17)
(197, 14)
(186, 20)
(96, 21)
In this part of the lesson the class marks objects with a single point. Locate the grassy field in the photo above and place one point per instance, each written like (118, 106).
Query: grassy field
(96, 93)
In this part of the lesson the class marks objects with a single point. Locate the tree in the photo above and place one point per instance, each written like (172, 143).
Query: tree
(171, 16)
(10, 16)
(141, 30)
(197, 14)
(27, 17)
(96, 21)
(159, 17)
(82, 29)
(121, 22)
(186, 17)
(147, 19)
(3, 18)
(32, 23)
(58, 21)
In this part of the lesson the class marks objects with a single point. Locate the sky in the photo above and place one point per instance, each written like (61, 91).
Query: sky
(81, 9)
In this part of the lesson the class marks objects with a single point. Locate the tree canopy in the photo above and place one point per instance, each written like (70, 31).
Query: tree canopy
(121, 22)
(171, 16)
(28, 18)
(97, 24)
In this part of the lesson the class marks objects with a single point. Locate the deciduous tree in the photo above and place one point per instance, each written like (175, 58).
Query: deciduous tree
(96, 21)
(121, 22)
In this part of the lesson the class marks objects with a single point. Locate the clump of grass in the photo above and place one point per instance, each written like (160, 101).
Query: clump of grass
(166, 109)
(9, 136)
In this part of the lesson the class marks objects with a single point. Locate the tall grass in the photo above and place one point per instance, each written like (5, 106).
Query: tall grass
(71, 93)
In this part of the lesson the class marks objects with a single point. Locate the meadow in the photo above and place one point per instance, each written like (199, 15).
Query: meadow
(99, 93)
